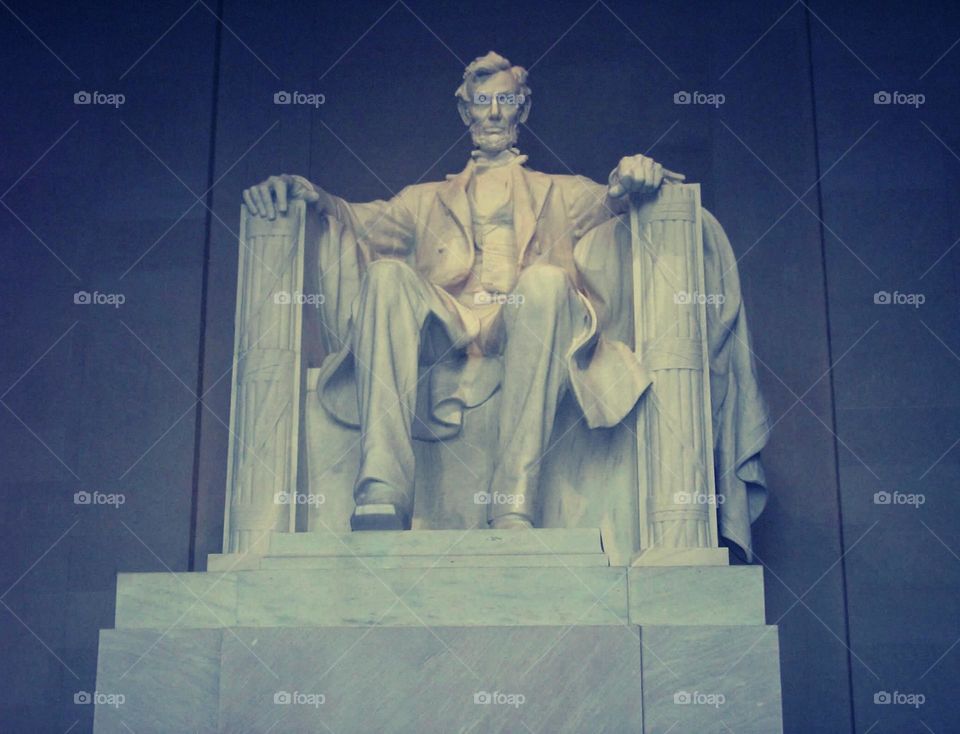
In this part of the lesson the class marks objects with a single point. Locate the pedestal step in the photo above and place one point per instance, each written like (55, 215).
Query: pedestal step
(374, 562)
(441, 595)
(643, 680)
(440, 631)
(414, 543)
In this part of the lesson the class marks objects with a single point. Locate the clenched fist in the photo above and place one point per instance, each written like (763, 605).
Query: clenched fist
(271, 196)
(640, 174)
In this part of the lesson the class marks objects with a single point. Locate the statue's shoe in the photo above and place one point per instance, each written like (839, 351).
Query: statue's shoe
(378, 517)
(512, 521)
(380, 507)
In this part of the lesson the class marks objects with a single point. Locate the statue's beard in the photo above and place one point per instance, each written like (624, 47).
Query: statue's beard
(493, 141)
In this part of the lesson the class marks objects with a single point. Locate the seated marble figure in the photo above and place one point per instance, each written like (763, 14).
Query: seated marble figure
(486, 265)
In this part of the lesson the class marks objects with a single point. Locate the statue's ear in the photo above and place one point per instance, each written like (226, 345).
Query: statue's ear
(525, 110)
(462, 108)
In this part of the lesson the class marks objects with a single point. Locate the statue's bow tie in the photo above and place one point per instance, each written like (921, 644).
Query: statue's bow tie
(482, 161)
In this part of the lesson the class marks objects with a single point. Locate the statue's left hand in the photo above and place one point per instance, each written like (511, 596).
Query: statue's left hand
(640, 174)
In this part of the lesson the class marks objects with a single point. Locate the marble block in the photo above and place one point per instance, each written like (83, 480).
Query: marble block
(711, 680)
(458, 596)
(542, 541)
(183, 600)
(543, 547)
(708, 595)
(418, 680)
(659, 556)
(421, 680)
(440, 631)
(169, 681)
(480, 561)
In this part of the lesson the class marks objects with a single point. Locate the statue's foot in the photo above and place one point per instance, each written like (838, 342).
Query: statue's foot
(512, 521)
(379, 507)
(378, 517)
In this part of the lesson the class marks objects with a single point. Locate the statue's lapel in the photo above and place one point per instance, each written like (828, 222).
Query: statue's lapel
(530, 194)
(453, 194)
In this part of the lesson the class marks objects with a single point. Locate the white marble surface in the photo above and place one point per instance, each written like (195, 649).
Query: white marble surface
(695, 595)
(711, 680)
(437, 542)
(418, 680)
(526, 595)
(169, 680)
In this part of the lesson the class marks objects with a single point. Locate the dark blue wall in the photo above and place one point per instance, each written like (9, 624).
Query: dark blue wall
(865, 395)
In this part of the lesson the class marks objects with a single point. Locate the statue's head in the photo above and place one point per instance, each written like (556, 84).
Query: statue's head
(493, 100)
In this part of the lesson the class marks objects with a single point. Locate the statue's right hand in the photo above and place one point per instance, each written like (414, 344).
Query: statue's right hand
(271, 196)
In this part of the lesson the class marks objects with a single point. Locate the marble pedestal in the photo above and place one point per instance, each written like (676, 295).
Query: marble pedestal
(440, 631)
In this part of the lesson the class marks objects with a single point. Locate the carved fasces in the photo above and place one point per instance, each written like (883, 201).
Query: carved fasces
(267, 385)
(678, 506)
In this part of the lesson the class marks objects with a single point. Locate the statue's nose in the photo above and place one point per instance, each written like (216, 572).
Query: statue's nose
(494, 108)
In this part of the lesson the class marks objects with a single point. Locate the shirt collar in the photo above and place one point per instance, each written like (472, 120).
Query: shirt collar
(479, 160)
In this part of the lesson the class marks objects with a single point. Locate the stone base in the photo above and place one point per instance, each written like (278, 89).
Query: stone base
(682, 557)
(530, 630)
(690, 680)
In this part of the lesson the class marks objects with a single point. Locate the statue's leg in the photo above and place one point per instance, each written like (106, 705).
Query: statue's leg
(391, 310)
(540, 327)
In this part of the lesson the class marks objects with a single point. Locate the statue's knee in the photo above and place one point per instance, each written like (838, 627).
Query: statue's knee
(542, 286)
(388, 277)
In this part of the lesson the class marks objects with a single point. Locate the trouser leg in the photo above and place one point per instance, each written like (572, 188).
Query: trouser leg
(539, 331)
(391, 310)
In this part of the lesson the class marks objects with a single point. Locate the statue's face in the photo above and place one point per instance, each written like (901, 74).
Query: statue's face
(494, 112)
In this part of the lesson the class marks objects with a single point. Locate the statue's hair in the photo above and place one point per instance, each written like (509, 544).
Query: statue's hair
(484, 66)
